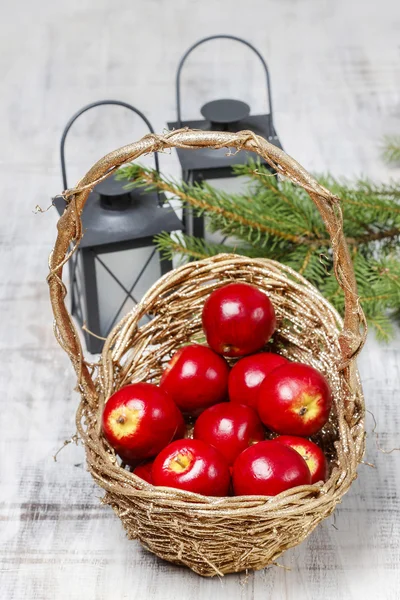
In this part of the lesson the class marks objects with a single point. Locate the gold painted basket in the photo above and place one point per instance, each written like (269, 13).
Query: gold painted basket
(217, 535)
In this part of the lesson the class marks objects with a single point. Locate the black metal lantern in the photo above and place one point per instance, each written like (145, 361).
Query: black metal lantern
(220, 115)
(117, 260)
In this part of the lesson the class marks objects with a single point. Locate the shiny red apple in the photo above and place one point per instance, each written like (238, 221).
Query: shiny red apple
(295, 399)
(238, 319)
(267, 469)
(312, 454)
(195, 378)
(139, 420)
(144, 471)
(230, 428)
(194, 466)
(247, 375)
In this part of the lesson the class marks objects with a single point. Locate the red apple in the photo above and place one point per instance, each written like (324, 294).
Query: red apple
(238, 319)
(312, 454)
(247, 375)
(194, 466)
(230, 428)
(139, 420)
(268, 468)
(295, 399)
(144, 471)
(195, 378)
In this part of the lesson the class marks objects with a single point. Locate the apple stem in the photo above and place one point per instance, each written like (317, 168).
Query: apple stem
(180, 463)
(302, 411)
(121, 419)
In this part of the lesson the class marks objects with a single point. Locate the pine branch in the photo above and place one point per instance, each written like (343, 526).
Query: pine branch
(392, 233)
(294, 220)
(277, 219)
(381, 190)
(246, 222)
(364, 203)
(378, 284)
(382, 325)
(189, 247)
(391, 150)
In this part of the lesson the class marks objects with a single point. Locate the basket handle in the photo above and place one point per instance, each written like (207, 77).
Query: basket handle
(69, 228)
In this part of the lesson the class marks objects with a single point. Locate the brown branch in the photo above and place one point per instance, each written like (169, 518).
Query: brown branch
(381, 297)
(395, 231)
(264, 179)
(183, 250)
(377, 326)
(296, 239)
(374, 206)
(306, 261)
(265, 182)
(378, 235)
(166, 187)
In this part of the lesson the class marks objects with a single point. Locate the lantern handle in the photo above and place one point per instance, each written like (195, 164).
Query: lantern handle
(352, 336)
(218, 37)
(89, 107)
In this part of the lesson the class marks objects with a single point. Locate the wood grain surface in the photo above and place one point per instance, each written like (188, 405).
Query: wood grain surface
(335, 69)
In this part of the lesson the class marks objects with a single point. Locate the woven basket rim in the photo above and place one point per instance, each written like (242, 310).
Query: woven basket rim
(192, 500)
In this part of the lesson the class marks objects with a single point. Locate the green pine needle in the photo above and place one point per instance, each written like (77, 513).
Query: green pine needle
(391, 149)
(277, 219)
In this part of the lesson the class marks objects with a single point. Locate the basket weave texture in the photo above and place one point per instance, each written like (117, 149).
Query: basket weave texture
(218, 535)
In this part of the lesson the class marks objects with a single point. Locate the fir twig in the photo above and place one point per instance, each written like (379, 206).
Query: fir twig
(277, 219)
(391, 149)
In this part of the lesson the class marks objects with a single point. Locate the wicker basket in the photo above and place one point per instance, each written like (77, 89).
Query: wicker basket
(218, 535)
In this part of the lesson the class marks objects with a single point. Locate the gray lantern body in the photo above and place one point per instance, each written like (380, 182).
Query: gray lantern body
(220, 115)
(117, 260)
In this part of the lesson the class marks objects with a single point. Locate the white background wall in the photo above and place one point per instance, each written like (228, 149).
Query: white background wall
(336, 89)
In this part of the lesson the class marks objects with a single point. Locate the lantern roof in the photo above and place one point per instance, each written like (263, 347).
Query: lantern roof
(222, 115)
(114, 216)
(142, 216)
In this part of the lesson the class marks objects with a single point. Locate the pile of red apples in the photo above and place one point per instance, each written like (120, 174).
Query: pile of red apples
(250, 423)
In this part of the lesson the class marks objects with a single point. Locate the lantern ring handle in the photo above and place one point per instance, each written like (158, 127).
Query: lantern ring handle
(69, 227)
(89, 107)
(218, 37)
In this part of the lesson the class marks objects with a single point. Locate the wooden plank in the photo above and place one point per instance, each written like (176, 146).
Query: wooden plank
(336, 76)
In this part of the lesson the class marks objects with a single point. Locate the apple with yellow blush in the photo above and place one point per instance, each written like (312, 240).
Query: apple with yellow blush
(312, 454)
(139, 420)
(194, 466)
(294, 399)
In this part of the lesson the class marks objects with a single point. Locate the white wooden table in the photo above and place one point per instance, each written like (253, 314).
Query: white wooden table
(335, 69)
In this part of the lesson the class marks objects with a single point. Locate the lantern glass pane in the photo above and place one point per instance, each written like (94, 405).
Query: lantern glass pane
(126, 264)
(110, 295)
(122, 279)
(127, 306)
(150, 274)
